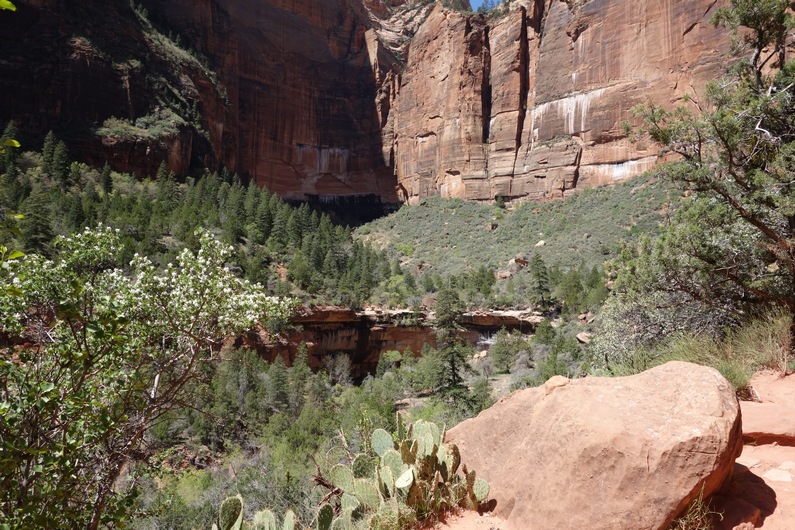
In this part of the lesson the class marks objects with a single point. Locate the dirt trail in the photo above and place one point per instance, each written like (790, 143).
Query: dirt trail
(468, 520)
(762, 491)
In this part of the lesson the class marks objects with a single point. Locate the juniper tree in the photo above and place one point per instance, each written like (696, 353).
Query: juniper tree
(731, 246)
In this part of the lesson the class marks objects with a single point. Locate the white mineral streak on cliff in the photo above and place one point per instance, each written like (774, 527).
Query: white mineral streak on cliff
(572, 109)
(621, 170)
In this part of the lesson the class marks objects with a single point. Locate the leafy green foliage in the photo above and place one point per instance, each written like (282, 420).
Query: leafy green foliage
(158, 218)
(107, 355)
(506, 349)
(729, 251)
(448, 236)
(404, 487)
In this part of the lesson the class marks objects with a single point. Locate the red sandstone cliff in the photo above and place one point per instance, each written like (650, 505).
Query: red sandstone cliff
(399, 100)
(531, 105)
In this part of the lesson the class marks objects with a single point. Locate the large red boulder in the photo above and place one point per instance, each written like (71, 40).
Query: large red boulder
(606, 453)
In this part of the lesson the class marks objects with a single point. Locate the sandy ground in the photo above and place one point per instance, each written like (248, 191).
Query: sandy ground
(468, 520)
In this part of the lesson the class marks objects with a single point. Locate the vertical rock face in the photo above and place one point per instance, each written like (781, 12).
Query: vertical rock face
(533, 102)
(309, 85)
(396, 100)
(440, 131)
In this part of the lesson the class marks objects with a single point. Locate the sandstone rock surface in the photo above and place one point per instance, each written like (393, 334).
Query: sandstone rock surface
(392, 100)
(531, 104)
(762, 491)
(606, 453)
(365, 335)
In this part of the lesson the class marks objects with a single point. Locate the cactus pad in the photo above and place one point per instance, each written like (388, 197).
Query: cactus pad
(394, 461)
(425, 445)
(363, 466)
(408, 452)
(264, 520)
(231, 516)
(289, 520)
(480, 489)
(449, 458)
(349, 501)
(406, 479)
(382, 441)
(435, 432)
(367, 493)
(342, 477)
(324, 517)
(387, 480)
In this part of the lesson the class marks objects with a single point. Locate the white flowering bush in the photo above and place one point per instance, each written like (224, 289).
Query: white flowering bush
(101, 355)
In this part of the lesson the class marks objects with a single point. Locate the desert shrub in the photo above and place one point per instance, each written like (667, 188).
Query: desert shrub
(762, 343)
(506, 349)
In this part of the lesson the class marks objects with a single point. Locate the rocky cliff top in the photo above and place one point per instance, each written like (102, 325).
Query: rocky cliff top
(397, 21)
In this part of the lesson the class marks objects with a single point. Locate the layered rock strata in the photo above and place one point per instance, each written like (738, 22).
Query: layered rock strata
(531, 105)
(363, 336)
(394, 100)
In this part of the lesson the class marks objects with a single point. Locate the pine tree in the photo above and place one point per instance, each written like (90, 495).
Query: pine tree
(731, 246)
(36, 227)
(59, 168)
(299, 376)
(539, 282)
(105, 179)
(8, 154)
(277, 386)
(162, 172)
(251, 202)
(451, 347)
(47, 152)
(264, 218)
(330, 266)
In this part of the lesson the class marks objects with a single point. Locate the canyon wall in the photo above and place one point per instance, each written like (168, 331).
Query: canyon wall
(531, 104)
(393, 101)
(328, 331)
(303, 81)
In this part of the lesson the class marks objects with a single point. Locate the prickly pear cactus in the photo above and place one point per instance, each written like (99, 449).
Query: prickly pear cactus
(231, 514)
(386, 481)
(342, 477)
(264, 520)
(405, 480)
(324, 517)
(364, 465)
(393, 461)
(382, 441)
(367, 493)
(481, 489)
(289, 520)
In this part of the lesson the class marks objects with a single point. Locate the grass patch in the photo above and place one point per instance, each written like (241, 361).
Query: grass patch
(763, 343)
(699, 516)
(163, 123)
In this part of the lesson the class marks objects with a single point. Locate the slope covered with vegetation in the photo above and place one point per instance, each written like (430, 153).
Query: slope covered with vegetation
(451, 236)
